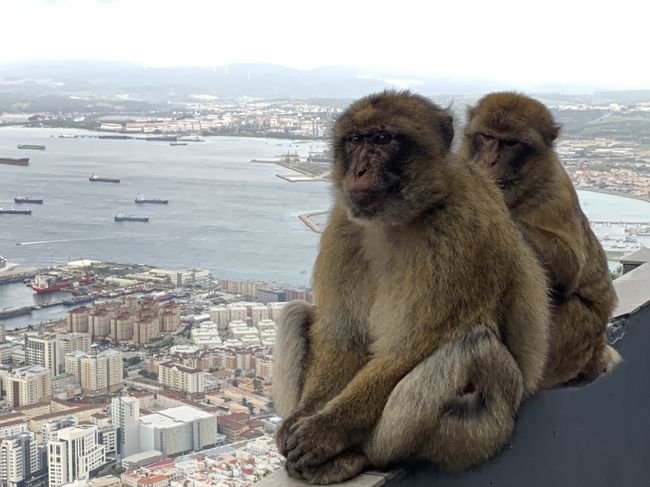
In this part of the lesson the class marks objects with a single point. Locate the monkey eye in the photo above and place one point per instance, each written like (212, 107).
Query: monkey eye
(381, 138)
(510, 143)
(354, 138)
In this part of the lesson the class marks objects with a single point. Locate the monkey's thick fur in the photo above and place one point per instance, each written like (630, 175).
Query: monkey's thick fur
(544, 203)
(431, 318)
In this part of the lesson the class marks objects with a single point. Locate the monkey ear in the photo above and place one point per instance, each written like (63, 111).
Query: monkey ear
(552, 133)
(447, 129)
(471, 112)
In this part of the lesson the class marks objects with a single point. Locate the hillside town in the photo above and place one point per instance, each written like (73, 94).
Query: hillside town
(164, 387)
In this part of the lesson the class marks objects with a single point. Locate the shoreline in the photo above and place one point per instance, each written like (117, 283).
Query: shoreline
(614, 193)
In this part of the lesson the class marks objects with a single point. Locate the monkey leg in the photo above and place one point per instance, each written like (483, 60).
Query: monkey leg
(578, 352)
(457, 408)
(290, 355)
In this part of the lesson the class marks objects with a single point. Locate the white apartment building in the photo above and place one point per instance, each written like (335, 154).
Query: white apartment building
(42, 349)
(75, 341)
(97, 373)
(125, 412)
(28, 385)
(49, 429)
(206, 335)
(74, 455)
(259, 313)
(19, 459)
(13, 428)
(179, 378)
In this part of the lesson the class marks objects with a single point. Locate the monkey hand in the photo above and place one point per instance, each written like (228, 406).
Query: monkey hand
(339, 469)
(312, 440)
(282, 433)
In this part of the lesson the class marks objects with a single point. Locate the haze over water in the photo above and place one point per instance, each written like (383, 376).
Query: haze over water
(226, 214)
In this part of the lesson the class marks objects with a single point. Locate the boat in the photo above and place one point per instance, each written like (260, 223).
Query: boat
(154, 201)
(13, 211)
(121, 217)
(178, 143)
(67, 136)
(31, 146)
(12, 312)
(28, 199)
(96, 179)
(78, 300)
(48, 283)
(115, 137)
(162, 138)
(5, 266)
(22, 161)
(192, 138)
(325, 156)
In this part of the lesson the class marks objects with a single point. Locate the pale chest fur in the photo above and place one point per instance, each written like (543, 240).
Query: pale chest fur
(403, 265)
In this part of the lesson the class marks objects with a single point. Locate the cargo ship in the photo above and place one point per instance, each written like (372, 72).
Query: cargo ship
(51, 283)
(28, 199)
(31, 146)
(22, 161)
(154, 201)
(162, 138)
(96, 179)
(13, 211)
(192, 138)
(12, 312)
(121, 217)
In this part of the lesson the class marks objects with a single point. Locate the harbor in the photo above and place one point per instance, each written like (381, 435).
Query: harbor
(313, 168)
(82, 282)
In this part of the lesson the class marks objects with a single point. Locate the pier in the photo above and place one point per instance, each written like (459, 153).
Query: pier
(312, 225)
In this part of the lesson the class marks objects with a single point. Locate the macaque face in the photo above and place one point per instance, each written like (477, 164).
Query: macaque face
(503, 157)
(374, 162)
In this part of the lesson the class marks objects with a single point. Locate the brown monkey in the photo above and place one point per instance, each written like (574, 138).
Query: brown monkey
(431, 317)
(512, 135)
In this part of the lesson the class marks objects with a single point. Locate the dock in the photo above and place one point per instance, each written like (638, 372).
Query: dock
(312, 225)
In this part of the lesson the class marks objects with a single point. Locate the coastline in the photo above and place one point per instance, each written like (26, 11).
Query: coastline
(614, 193)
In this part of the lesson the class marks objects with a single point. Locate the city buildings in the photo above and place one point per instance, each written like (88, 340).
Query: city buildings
(28, 385)
(74, 455)
(182, 379)
(73, 342)
(97, 372)
(43, 349)
(178, 430)
(125, 413)
(20, 460)
(140, 321)
(206, 335)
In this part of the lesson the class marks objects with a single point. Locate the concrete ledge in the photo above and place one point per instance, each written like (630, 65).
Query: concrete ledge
(366, 479)
(633, 291)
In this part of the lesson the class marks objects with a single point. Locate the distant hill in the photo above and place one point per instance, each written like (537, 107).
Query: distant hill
(233, 81)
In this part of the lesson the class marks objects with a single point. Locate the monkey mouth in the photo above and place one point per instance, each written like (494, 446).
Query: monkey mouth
(366, 203)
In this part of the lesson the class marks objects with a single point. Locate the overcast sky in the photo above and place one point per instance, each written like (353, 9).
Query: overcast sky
(518, 42)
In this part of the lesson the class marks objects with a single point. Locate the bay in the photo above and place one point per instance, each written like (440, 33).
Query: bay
(226, 214)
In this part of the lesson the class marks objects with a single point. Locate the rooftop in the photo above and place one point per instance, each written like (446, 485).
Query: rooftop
(185, 413)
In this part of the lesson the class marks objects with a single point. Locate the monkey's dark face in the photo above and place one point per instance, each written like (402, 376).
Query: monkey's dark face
(504, 157)
(374, 168)
(390, 152)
